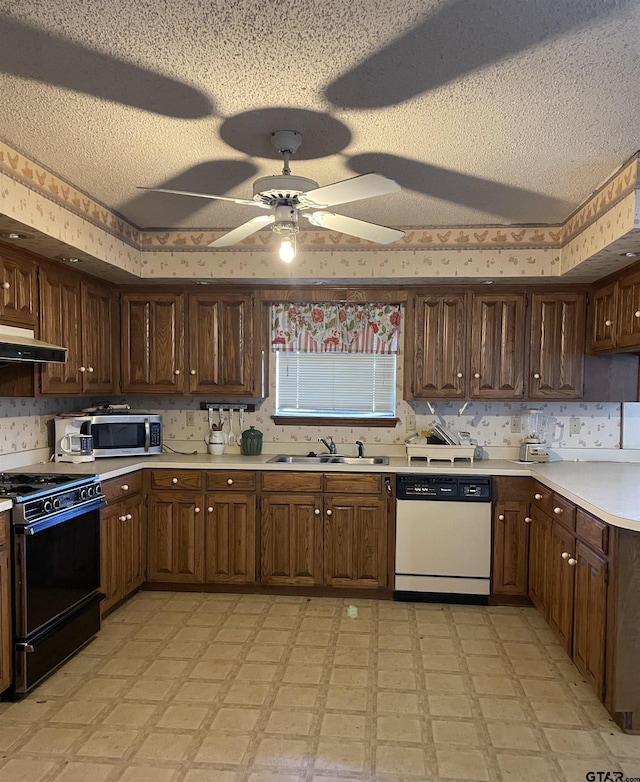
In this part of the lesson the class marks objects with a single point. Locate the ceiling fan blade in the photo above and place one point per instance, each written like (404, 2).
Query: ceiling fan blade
(242, 231)
(516, 204)
(36, 54)
(460, 37)
(355, 189)
(379, 234)
(243, 201)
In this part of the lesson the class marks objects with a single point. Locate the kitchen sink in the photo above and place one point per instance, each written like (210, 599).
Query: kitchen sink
(328, 458)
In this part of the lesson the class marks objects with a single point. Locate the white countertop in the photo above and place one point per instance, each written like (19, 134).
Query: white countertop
(609, 490)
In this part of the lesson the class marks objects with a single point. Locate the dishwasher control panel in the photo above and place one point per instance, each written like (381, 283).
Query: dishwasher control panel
(458, 488)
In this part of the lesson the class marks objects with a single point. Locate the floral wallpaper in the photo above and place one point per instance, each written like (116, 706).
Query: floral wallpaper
(27, 424)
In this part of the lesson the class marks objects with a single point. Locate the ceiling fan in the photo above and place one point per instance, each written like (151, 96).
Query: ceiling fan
(287, 197)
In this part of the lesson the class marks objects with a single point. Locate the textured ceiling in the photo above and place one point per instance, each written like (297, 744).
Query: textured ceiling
(485, 111)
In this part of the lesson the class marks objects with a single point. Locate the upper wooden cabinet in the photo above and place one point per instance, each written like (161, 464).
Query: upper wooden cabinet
(79, 316)
(435, 347)
(216, 331)
(221, 344)
(19, 290)
(557, 345)
(153, 343)
(497, 346)
(614, 316)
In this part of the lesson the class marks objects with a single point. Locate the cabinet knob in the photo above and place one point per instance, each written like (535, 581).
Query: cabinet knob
(565, 555)
(537, 496)
(129, 517)
(608, 323)
(122, 518)
(196, 509)
(174, 480)
(527, 519)
(89, 369)
(329, 512)
(176, 372)
(459, 374)
(637, 314)
(6, 285)
(558, 511)
(501, 517)
(82, 369)
(229, 481)
(476, 375)
(125, 487)
(210, 509)
(317, 511)
(536, 375)
(192, 372)
(571, 561)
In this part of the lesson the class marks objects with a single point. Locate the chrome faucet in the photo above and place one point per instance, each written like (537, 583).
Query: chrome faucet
(330, 445)
(360, 445)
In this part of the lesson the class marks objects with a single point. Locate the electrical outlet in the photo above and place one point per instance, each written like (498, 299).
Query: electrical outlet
(411, 422)
(190, 416)
(516, 424)
(574, 426)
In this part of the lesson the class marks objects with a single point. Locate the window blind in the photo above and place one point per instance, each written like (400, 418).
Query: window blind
(336, 384)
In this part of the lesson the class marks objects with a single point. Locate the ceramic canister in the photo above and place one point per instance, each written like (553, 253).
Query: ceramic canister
(251, 443)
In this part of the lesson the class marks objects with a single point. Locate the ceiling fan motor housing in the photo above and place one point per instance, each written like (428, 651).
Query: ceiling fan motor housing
(281, 188)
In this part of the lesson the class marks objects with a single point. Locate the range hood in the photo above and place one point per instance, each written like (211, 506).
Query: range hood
(18, 346)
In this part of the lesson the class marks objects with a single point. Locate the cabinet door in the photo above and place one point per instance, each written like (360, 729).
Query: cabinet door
(557, 346)
(628, 315)
(176, 538)
(97, 340)
(438, 365)
(60, 324)
(561, 563)
(539, 535)
(230, 538)
(133, 534)
(355, 542)
(221, 344)
(497, 342)
(110, 556)
(6, 646)
(511, 522)
(19, 302)
(603, 318)
(153, 343)
(590, 615)
(291, 540)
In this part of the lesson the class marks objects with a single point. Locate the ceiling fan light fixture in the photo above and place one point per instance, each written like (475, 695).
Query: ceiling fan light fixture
(288, 248)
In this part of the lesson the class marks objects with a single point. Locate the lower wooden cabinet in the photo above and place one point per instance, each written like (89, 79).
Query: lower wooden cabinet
(511, 523)
(176, 538)
(230, 538)
(561, 568)
(540, 534)
(5, 603)
(123, 549)
(590, 615)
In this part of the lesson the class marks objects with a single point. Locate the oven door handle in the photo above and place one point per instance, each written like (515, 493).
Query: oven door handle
(58, 518)
(22, 647)
(147, 435)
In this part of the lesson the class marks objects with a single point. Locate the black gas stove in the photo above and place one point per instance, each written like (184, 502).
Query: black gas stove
(40, 496)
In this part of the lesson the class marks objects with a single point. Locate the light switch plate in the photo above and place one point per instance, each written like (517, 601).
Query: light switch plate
(190, 418)
(411, 422)
(516, 424)
(574, 426)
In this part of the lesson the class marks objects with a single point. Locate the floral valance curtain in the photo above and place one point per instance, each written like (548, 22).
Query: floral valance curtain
(337, 328)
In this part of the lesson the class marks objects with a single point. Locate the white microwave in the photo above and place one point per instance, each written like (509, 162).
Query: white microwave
(124, 434)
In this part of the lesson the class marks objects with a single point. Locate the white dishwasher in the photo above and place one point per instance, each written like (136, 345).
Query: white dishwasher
(443, 538)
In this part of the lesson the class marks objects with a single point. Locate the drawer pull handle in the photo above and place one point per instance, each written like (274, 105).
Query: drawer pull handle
(501, 517)
(329, 512)
(527, 519)
(82, 369)
(122, 518)
(125, 487)
(176, 372)
(558, 511)
(174, 480)
(210, 509)
(196, 509)
(6, 285)
(537, 496)
(229, 481)
(89, 370)
(536, 375)
(637, 313)
(192, 372)
(608, 323)
(459, 375)
(572, 562)
(477, 375)
(317, 511)
(565, 555)
(128, 517)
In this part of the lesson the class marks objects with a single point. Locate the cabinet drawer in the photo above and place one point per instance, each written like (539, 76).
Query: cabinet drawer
(353, 483)
(176, 480)
(292, 481)
(592, 530)
(542, 498)
(124, 486)
(4, 529)
(564, 511)
(231, 480)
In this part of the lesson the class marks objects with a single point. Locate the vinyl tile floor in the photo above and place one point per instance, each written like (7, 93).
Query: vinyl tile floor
(190, 687)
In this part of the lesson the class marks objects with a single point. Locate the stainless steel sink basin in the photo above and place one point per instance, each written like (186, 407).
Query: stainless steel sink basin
(329, 459)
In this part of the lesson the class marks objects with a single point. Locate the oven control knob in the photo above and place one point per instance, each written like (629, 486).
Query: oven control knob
(56, 503)
(47, 505)
(83, 494)
(91, 491)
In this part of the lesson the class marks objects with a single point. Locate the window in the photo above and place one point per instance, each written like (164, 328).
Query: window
(340, 385)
